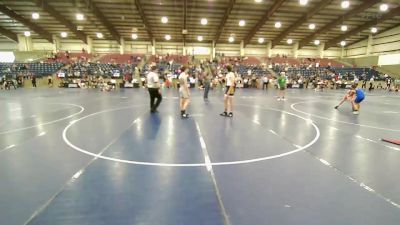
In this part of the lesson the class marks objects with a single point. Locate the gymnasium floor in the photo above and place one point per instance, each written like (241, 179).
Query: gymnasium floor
(84, 157)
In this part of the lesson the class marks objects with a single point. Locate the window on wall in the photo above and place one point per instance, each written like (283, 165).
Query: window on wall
(201, 51)
(391, 59)
(7, 57)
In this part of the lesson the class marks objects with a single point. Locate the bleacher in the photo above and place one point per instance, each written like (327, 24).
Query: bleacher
(329, 62)
(37, 69)
(235, 60)
(303, 61)
(163, 67)
(250, 60)
(310, 71)
(178, 59)
(128, 62)
(321, 67)
(285, 60)
(121, 58)
(99, 69)
(255, 70)
(63, 57)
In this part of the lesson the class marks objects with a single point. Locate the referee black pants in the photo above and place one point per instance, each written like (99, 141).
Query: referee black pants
(265, 85)
(154, 94)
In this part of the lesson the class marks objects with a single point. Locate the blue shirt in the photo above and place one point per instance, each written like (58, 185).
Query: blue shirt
(360, 93)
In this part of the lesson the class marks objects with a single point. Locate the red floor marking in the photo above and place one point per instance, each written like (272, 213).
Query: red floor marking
(396, 142)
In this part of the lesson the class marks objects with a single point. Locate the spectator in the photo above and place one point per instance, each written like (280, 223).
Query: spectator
(34, 81)
(50, 81)
(265, 82)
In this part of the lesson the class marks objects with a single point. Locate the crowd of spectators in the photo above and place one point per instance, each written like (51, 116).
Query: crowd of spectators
(251, 73)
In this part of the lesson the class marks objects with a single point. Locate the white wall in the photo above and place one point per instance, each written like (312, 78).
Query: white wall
(164, 48)
(333, 53)
(42, 45)
(387, 42)
(366, 61)
(202, 50)
(199, 49)
(8, 46)
(228, 49)
(357, 50)
(137, 47)
(104, 46)
(282, 49)
(72, 45)
(256, 50)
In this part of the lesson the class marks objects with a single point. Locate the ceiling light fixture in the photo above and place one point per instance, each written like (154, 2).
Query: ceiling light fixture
(303, 2)
(134, 36)
(289, 41)
(343, 43)
(99, 35)
(64, 34)
(311, 26)
(35, 16)
(164, 19)
(374, 30)
(278, 25)
(242, 23)
(231, 39)
(79, 16)
(384, 7)
(258, 1)
(27, 33)
(260, 40)
(344, 28)
(317, 42)
(200, 38)
(204, 21)
(345, 4)
(167, 37)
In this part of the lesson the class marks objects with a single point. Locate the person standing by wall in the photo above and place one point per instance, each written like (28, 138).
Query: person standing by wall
(153, 86)
(2, 82)
(50, 81)
(265, 82)
(184, 91)
(364, 83)
(388, 83)
(34, 81)
(371, 84)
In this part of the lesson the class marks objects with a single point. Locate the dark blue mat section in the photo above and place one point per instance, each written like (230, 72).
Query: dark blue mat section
(111, 193)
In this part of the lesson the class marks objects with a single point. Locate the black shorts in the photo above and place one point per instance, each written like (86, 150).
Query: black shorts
(230, 90)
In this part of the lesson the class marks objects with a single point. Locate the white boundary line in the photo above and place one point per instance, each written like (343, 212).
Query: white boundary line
(356, 181)
(66, 140)
(203, 145)
(7, 148)
(213, 177)
(376, 142)
(339, 121)
(71, 180)
(50, 122)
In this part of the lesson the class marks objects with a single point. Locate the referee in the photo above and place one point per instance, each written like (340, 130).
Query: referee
(153, 85)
